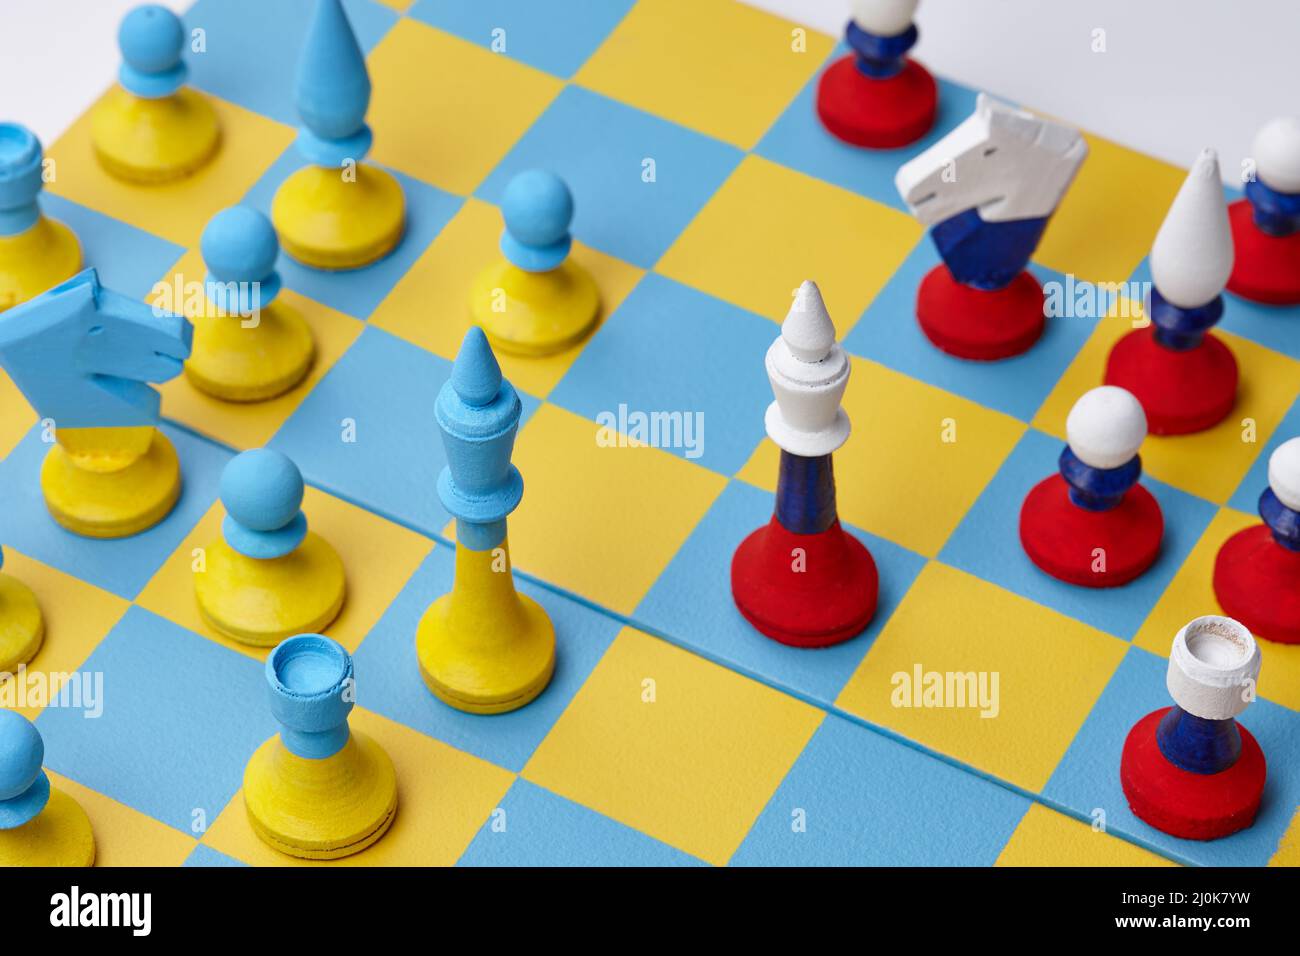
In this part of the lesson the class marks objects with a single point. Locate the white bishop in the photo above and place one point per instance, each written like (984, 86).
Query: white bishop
(809, 372)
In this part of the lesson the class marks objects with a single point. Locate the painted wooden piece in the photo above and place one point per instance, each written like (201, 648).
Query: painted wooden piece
(39, 825)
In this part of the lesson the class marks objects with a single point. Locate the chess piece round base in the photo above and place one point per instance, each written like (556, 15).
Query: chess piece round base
(60, 835)
(114, 502)
(328, 222)
(1193, 806)
(36, 260)
(1257, 581)
(22, 626)
(321, 809)
(534, 313)
(1265, 268)
(151, 141)
(240, 363)
(1181, 392)
(1093, 549)
(806, 590)
(877, 113)
(262, 602)
(978, 324)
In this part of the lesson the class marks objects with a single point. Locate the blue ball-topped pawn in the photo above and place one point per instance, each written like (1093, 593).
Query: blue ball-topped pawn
(538, 209)
(239, 246)
(151, 39)
(262, 490)
(333, 90)
(21, 159)
(24, 788)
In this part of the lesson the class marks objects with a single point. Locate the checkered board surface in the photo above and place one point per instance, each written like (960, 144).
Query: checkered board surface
(672, 733)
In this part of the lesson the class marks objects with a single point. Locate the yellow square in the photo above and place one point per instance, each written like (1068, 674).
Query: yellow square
(443, 797)
(1108, 219)
(900, 475)
(769, 228)
(1288, 850)
(249, 424)
(1191, 594)
(1047, 838)
(176, 211)
(717, 66)
(601, 522)
(1211, 463)
(123, 836)
(443, 275)
(378, 558)
(1049, 669)
(479, 104)
(77, 617)
(399, 5)
(16, 416)
(673, 745)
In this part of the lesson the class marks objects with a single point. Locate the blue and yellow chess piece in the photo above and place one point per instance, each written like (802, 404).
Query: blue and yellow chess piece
(483, 647)
(151, 128)
(535, 301)
(22, 626)
(317, 790)
(249, 345)
(35, 252)
(337, 212)
(39, 825)
(268, 578)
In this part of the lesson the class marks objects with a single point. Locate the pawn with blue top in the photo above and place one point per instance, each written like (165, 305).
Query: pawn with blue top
(36, 253)
(336, 212)
(1266, 224)
(483, 648)
(537, 300)
(151, 128)
(39, 825)
(249, 344)
(317, 790)
(268, 577)
(1093, 525)
(22, 625)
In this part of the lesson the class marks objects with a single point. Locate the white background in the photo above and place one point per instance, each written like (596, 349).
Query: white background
(1177, 75)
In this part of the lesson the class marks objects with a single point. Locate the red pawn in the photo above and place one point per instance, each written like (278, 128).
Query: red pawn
(1266, 224)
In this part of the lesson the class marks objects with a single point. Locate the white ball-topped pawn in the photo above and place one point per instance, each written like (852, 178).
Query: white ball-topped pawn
(1284, 473)
(1277, 154)
(1191, 257)
(809, 372)
(884, 18)
(1213, 667)
(1106, 427)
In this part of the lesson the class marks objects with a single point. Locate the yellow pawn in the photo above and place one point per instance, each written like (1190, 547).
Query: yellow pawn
(248, 346)
(39, 826)
(269, 578)
(536, 301)
(22, 626)
(482, 648)
(317, 790)
(151, 128)
(36, 253)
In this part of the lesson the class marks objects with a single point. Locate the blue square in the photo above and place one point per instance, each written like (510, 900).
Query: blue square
(252, 48)
(798, 140)
(387, 660)
(120, 565)
(691, 602)
(603, 149)
(1253, 484)
(358, 291)
(204, 855)
(669, 348)
(858, 798)
(385, 388)
(128, 260)
(889, 333)
(553, 35)
(1087, 778)
(181, 716)
(987, 543)
(534, 827)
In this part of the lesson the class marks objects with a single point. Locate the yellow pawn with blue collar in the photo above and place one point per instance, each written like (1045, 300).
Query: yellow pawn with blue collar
(336, 212)
(151, 128)
(483, 648)
(317, 790)
(39, 825)
(536, 301)
(35, 252)
(268, 578)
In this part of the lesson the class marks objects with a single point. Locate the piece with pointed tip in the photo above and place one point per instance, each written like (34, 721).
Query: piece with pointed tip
(1266, 224)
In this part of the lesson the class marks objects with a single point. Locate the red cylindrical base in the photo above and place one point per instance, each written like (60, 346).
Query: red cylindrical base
(977, 324)
(877, 113)
(1194, 806)
(808, 590)
(1181, 392)
(1265, 268)
(1257, 581)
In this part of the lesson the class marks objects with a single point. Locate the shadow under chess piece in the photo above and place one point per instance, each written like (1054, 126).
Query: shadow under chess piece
(39, 825)
(36, 253)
